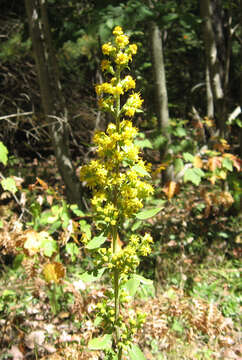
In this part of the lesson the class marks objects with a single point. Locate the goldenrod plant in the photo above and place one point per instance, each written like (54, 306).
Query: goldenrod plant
(116, 178)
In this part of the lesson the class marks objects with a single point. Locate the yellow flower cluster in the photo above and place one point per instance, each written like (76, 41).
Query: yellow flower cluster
(121, 53)
(116, 177)
(116, 149)
(127, 259)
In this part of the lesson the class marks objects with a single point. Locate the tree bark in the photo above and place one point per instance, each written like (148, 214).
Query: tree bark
(209, 93)
(51, 96)
(160, 80)
(216, 70)
(161, 97)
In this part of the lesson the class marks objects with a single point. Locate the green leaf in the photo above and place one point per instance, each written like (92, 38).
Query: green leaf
(132, 286)
(18, 261)
(49, 246)
(72, 249)
(180, 132)
(144, 144)
(135, 353)
(3, 154)
(9, 185)
(7, 293)
(86, 277)
(146, 214)
(1, 224)
(177, 326)
(100, 343)
(178, 165)
(227, 164)
(76, 210)
(194, 175)
(96, 242)
(136, 225)
(142, 279)
(86, 228)
(97, 320)
(188, 157)
(169, 17)
(55, 226)
(140, 170)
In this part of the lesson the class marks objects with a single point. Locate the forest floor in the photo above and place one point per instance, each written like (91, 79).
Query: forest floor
(202, 322)
(193, 309)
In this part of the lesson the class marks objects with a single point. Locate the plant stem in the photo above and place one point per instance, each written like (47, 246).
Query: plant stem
(115, 233)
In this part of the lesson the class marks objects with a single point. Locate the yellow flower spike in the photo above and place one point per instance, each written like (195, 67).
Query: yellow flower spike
(117, 31)
(122, 59)
(130, 112)
(116, 176)
(122, 41)
(128, 83)
(98, 89)
(107, 48)
(107, 88)
(135, 100)
(105, 65)
(133, 49)
(117, 90)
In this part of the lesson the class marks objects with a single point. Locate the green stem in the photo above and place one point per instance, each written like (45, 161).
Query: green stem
(116, 275)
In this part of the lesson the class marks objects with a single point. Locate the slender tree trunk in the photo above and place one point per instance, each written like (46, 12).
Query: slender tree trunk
(51, 96)
(210, 103)
(160, 79)
(215, 66)
(161, 97)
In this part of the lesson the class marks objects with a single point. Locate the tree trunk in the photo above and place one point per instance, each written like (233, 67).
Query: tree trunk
(160, 80)
(51, 96)
(161, 97)
(211, 41)
(209, 93)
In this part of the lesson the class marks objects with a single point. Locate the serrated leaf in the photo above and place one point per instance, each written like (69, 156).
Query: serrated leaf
(194, 175)
(48, 245)
(132, 286)
(142, 279)
(188, 157)
(72, 249)
(140, 170)
(178, 165)
(85, 228)
(135, 353)
(136, 225)
(97, 320)
(227, 164)
(3, 154)
(180, 132)
(146, 214)
(9, 185)
(144, 144)
(86, 277)
(76, 210)
(96, 242)
(100, 343)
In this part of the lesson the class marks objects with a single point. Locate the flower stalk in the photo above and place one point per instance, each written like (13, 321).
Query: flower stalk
(116, 178)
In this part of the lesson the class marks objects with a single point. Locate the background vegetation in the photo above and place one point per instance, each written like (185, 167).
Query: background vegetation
(188, 70)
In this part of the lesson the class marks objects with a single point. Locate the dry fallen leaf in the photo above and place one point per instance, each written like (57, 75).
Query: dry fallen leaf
(35, 338)
(15, 353)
